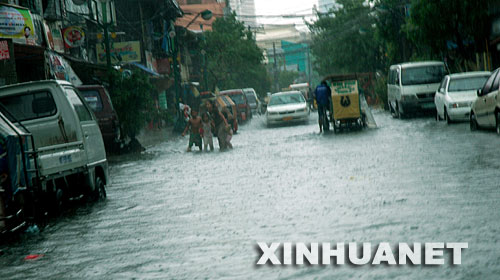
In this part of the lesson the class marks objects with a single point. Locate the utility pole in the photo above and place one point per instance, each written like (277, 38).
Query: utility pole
(309, 65)
(276, 76)
(105, 26)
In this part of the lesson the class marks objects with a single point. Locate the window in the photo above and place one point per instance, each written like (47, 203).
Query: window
(28, 106)
(489, 83)
(442, 86)
(286, 99)
(238, 98)
(82, 111)
(391, 77)
(466, 84)
(422, 75)
(93, 99)
(495, 84)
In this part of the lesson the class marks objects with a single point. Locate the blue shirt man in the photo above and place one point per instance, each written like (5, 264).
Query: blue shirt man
(323, 95)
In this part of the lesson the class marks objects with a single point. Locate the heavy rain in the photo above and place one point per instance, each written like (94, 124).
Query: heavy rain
(180, 139)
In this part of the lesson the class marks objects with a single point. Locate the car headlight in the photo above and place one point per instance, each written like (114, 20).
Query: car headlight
(301, 110)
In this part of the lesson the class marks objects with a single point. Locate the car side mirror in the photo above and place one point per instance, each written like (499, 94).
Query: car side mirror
(479, 92)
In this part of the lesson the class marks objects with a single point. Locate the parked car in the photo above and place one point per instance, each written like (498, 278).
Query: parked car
(411, 87)
(225, 103)
(456, 94)
(67, 151)
(253, 100)
(284, 107)
(242, 106)
(485, 110)
(97, 97)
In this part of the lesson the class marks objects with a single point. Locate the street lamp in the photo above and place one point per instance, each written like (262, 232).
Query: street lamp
(206, 15)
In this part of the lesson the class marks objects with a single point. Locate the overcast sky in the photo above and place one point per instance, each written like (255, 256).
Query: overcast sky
(279, 7)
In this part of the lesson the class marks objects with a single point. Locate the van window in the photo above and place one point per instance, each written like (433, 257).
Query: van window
(29, 106)
(487, 86)
(422, 75)
(82, 111)
(391, 77)
(93, 98)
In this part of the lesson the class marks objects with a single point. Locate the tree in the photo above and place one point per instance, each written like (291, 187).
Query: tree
(344, 40)
(233, 58)
(132, 101)
(286, 78)
(449, 28)
(390, 21)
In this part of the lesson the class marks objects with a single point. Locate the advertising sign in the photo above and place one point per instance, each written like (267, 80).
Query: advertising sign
(344, 87)
(4, 50)
(120, 52)
(73, 37)
(16, 23)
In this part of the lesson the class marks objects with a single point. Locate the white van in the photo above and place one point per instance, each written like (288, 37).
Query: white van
(411, 87)
(68, 149)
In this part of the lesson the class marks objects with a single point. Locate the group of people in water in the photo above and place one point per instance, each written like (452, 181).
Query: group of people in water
(211, 122)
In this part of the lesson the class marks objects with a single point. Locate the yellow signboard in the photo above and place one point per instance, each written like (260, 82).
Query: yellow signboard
(345, 106)
(343, 87)
(120, 52)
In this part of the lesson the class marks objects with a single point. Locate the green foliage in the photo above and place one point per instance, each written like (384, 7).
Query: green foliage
(381, 91)
(344, 41)
(449, 28)
(132, 101)
(286, 78)
(405, 30)
(233, 58)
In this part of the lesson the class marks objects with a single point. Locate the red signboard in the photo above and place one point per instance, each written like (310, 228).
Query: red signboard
(4, 50)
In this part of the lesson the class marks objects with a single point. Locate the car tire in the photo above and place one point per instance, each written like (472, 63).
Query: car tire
(398, 111)
(473, 122)
(99, 192)
(447, 117)
(391, 110)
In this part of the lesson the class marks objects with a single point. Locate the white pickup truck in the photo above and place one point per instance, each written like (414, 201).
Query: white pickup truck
(68, 150)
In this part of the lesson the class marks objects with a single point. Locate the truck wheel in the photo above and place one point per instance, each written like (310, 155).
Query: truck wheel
(99, 192)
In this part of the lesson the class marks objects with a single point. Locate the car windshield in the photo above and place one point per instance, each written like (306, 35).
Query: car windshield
(237, 98)
(251, 99)
(422, 75)
(286, 99)
(465, 84)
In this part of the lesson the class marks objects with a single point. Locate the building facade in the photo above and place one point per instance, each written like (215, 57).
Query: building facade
(245, 11)
(326, 5)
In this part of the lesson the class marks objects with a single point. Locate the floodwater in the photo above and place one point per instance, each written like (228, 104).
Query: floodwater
(178, 215)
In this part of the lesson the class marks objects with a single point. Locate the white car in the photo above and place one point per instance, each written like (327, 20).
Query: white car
(286, 107)
(456, 93)
(485, 110)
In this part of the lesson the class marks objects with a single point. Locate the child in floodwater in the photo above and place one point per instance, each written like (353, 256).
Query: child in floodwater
(207, 134)
(194, 136)
(229, 136)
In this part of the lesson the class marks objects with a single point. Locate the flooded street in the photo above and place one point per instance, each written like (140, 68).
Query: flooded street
(172, 214)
